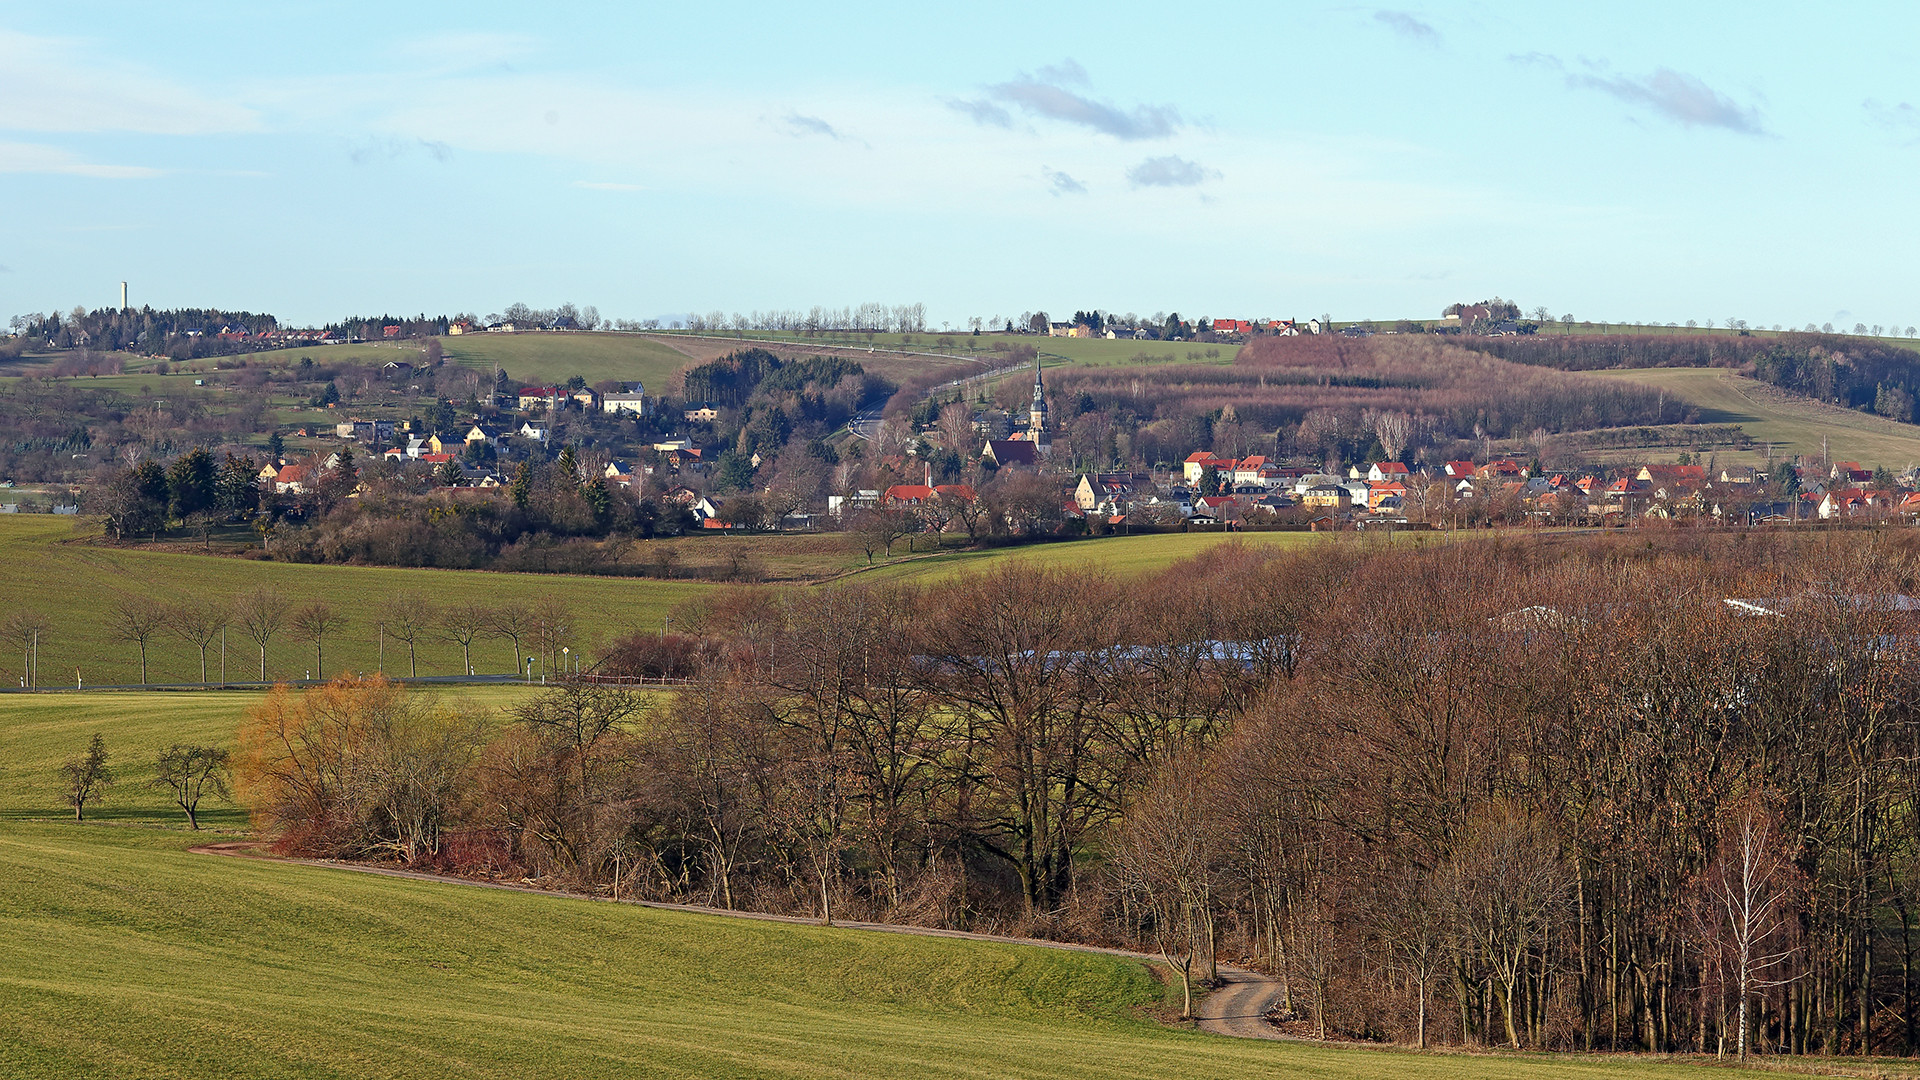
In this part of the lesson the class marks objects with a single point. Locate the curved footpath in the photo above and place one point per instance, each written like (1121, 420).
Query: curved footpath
(1237, 1008)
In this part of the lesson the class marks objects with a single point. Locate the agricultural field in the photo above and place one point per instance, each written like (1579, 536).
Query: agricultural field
(1794, 425)
(48, 567)
(1122, 556)
(128, 956)
(533, 359)
(40, 731)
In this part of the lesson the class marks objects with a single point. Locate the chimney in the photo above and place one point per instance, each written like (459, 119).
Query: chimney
(929, 474)
(123, 296)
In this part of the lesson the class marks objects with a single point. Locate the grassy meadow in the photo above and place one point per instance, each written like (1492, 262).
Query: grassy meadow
(1795, 425)
(38, 732)
(46, 566)
(546, 358)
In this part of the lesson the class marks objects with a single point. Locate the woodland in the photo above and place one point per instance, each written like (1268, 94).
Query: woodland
(1553, 794)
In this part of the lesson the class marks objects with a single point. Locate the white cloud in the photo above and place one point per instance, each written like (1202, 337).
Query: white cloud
(54, 84)
(18, 157)
(1170, 171)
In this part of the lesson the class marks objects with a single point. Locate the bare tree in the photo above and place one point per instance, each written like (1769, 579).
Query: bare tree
(462, 624)
(406, 616)
(25, 628)
(87, 776)
(1394, 430)
(550, 626)
(312, 624)
(515, 623)
(1166, 857)
(1747, 915)
(190, 773)
(198, 623)
(137, 618)
(261, 614)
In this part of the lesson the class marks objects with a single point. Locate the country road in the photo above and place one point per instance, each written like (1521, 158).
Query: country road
(1237, 1009)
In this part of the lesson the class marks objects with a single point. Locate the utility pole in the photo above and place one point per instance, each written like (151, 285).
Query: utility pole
(223, 658)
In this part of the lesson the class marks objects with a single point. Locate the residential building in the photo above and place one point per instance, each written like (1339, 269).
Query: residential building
(634, 402)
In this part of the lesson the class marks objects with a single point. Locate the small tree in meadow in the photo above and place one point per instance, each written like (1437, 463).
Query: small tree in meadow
(87, 776)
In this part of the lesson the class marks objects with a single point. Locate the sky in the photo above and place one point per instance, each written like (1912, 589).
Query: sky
(1621, 161)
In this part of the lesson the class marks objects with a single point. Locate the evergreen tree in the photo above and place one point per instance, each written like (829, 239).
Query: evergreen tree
(522, 489)
(191, 482)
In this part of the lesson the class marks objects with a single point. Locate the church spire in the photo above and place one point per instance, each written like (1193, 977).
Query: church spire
(1037, 414)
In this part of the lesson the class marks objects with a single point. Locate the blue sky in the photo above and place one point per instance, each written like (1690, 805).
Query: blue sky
(1618, 161)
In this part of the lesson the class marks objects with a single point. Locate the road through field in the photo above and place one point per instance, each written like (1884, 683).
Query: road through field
(1238, 1008)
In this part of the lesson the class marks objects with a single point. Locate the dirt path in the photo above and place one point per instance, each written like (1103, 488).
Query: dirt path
(1238, 1008)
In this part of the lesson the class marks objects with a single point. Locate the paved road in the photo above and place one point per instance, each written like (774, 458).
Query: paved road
(1236, 1009)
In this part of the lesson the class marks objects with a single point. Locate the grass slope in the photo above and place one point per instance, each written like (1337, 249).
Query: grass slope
(76, 584)
(532, 359)
(129, 957)
(1793, 424)
(1119, 555)
(40, 731)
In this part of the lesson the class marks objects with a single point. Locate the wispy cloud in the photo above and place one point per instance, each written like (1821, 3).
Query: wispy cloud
(392, 149)
(1045, 94)
(809, 125)
(1669, 94)
(1902, 119)
(57, 84)
(16, 157)
(1062, 184)
(607, 185)
(1170, 171)
(1408, 26)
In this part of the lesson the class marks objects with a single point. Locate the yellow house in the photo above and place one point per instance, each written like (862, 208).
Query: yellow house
(1328, 497)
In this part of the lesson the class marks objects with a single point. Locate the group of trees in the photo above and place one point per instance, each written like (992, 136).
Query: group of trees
(1546, 796)
(1319, 397)
(188, 774)
(544, 629)
(1847, 371)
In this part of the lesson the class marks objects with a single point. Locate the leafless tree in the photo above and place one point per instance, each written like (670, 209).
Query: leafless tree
(199, 624)
(261, 614)
(515, 623)
(550, 627)
(406, 616)
(1746, 913)
(312, 624)
(462, 624)
(26, 629)
(1166, 855)
(137, 618)
(189, 773)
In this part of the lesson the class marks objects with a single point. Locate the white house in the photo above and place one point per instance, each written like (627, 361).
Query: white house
(635, 402)
(536, 432)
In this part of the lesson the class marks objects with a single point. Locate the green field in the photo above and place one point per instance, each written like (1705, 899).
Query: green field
(46, 566)
(40, 731)
(555, 357)
(1795, 425)
(1121, 556)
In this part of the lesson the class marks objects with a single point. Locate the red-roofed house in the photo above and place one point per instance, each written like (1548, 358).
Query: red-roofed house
(1386, 471)
(1460, 470)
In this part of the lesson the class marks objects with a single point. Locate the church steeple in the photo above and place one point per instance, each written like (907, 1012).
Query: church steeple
(1037, 414)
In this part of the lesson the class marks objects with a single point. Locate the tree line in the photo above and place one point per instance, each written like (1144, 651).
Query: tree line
(1555, 795)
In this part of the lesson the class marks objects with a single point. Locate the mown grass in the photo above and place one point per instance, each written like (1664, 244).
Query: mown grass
(46, 566)
(1793, 424)
(127, 956)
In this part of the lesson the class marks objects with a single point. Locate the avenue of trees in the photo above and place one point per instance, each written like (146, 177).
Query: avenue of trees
(1489, 793)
